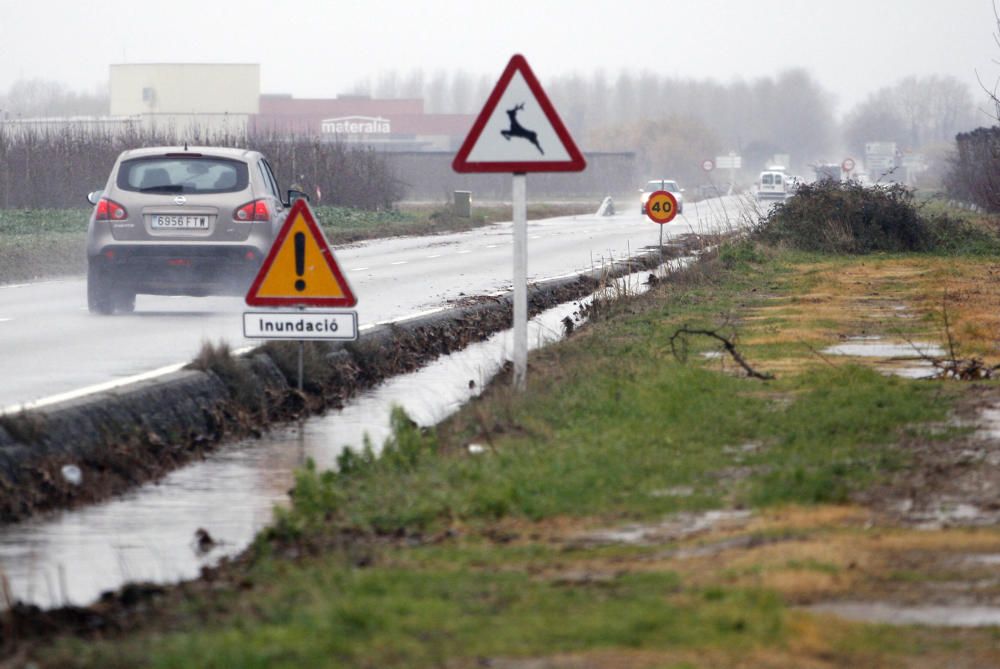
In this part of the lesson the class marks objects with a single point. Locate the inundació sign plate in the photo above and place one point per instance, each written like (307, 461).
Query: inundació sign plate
(301, 325)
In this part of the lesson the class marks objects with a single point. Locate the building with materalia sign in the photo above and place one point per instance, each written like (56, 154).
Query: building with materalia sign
(388, 124)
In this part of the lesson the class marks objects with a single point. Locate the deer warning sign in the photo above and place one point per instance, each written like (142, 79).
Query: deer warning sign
(518, 130)
(300, 268)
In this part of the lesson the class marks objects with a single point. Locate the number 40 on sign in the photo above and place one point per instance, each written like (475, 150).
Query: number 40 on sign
(661, 207)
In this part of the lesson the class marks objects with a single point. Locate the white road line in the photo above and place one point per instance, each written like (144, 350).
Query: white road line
(15, 285)
(96, 388)
(460, 253)
(400, 262)
(491, 246)
(358, 269)
(4, 320)
(433, 257)
(535, 237)
(107, 385)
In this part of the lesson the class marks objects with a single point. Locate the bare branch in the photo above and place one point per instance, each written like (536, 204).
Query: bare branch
(727, 343)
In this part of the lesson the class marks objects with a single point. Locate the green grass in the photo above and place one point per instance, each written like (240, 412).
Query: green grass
(615, 420)
(330, 615)
(42, 242)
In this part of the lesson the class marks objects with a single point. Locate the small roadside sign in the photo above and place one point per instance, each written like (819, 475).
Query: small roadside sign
(518, 130)
(661, 207)
(732, 162)
(848, 164)
(708, 164)
(300, 269)
(335, 325)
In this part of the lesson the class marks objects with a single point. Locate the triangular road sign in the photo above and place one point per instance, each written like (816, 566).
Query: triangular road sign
(300, 268)
(518, 130)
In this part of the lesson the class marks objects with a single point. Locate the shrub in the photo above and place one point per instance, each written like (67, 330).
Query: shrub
(837, 217)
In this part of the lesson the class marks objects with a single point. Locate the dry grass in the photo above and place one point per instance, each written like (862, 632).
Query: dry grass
(895, 298)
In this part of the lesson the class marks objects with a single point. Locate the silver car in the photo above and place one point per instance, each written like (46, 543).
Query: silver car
(668, 185)
(181, 221)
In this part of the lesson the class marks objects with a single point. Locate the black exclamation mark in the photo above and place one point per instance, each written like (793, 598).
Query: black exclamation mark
(300, 259)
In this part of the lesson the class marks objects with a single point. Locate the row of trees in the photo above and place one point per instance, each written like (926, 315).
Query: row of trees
(788, 113)
(29, 98)
(57, 168)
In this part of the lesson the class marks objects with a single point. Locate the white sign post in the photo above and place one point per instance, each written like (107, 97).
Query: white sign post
(518, 131)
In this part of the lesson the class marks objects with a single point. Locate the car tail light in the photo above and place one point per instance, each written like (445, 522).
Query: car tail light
(253, 211)
(109, 210)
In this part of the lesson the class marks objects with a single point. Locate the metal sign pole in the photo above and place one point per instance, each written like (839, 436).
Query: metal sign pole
(519, 196)
(302, 348)
(661, 244)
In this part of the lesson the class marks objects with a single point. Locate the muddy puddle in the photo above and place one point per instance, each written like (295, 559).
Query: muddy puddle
(71, 557)
(911, 360)
(892, 614)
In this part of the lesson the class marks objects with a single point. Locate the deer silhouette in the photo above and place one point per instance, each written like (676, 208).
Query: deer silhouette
(518, 130)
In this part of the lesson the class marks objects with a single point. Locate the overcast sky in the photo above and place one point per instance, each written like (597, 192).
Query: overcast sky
(317, 48)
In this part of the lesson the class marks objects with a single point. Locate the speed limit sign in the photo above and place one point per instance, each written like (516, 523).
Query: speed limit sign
(708, 164)
(661, 207)
(847, 165)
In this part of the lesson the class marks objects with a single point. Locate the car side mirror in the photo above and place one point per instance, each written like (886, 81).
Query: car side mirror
(294, 195)
(93, 197)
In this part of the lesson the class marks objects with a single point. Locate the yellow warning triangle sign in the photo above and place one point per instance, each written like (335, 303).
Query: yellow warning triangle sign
(300, 268)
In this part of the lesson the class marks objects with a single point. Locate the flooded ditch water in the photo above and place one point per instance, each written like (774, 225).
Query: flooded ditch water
(149, 534)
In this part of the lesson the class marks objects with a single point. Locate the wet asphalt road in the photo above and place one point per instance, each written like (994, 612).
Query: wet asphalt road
(52, 348)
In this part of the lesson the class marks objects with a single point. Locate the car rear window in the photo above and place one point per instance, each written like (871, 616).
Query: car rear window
(653, 186)
(183, 174)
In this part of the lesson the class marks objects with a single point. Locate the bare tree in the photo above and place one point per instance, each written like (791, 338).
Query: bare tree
(994, 91)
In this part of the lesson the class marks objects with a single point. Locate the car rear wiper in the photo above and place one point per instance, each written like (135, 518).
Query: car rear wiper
(163, 188)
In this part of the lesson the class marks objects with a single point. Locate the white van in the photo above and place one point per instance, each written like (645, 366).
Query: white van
(771, 185)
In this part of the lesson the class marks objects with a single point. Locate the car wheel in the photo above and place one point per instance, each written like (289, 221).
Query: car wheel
(99, 298)
(124, 300)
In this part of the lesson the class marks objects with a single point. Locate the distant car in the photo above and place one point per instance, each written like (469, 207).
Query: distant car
(181, 221)
(668, 185)
(771, 185)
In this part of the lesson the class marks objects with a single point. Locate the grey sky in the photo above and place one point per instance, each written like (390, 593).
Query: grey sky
(316, 48)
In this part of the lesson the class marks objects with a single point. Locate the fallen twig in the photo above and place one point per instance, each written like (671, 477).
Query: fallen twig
(726, 342)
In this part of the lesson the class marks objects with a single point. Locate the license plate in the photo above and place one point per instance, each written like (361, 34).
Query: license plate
(180, 222)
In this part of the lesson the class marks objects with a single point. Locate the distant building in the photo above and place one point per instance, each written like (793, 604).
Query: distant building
(388, 124)
(211, 97)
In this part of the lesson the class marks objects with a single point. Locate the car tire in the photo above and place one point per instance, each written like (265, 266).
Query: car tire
(124, 300)
(99, 297)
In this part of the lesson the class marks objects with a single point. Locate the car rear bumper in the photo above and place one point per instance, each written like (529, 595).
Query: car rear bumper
(181, 270)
